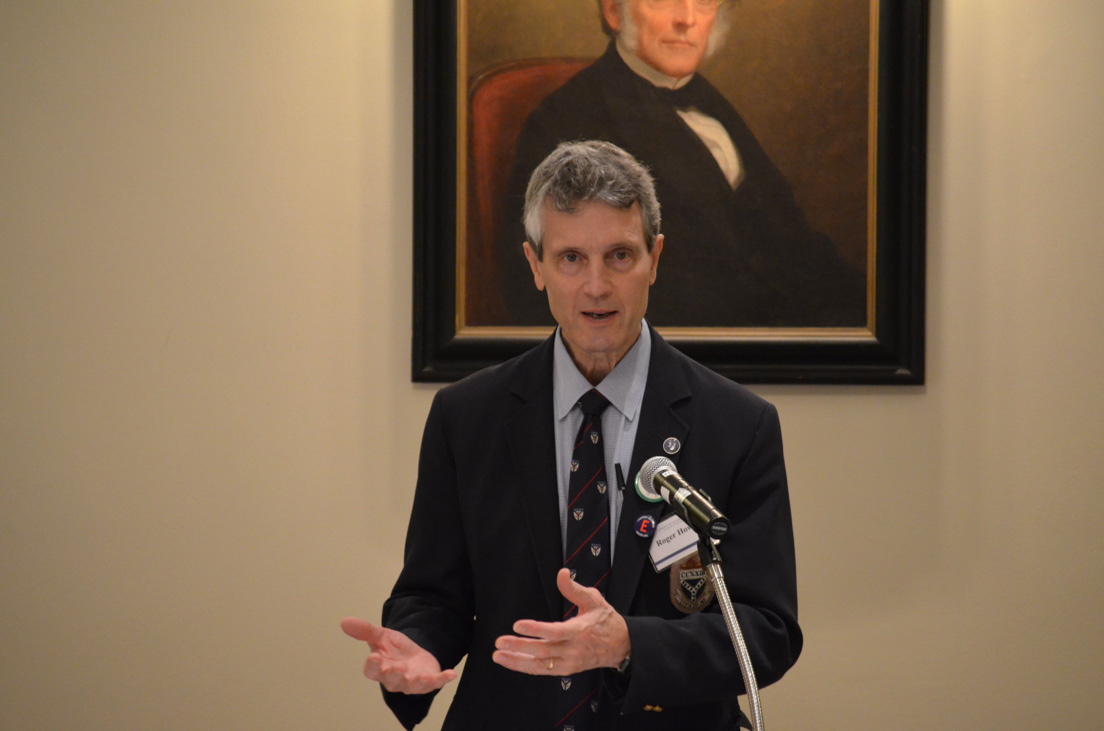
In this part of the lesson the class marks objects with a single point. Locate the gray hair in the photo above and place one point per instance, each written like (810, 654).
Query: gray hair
(629, 30)
(585, 171)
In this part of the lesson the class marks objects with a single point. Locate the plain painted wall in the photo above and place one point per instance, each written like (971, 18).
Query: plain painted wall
(208, 432)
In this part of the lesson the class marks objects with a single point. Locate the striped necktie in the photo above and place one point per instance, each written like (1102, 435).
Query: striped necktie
(588, 550)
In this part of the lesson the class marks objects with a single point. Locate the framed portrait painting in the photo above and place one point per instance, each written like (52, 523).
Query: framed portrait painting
(786, 139)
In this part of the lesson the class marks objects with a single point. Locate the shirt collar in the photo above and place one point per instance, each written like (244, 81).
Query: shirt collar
(623, 386)
(641, 68)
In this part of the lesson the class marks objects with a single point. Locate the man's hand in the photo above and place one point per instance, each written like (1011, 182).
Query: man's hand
(397, 662)
(597, 637)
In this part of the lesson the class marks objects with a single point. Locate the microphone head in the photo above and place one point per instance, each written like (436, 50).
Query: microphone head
(645, 487)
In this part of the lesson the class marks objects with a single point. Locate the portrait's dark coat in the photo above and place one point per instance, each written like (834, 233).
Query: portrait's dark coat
(731, 258)
(483, 548)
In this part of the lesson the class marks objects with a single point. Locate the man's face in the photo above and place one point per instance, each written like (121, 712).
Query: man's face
(597, 272)
(671, 35)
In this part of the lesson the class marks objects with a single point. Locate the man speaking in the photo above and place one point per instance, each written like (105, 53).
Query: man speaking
(530, 551)
(741, 253)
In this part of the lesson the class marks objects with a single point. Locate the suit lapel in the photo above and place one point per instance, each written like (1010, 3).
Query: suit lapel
(532, 446)
(665, 396)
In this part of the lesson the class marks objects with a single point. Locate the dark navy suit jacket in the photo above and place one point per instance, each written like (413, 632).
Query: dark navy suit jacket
(483, 548)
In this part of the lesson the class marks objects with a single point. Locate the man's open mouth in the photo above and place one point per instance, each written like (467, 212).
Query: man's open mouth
(600, 315)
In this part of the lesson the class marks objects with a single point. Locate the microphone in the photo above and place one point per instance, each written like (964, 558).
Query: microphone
(658, 476)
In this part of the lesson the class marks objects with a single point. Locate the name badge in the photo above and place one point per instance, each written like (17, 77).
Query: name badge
(672, 542)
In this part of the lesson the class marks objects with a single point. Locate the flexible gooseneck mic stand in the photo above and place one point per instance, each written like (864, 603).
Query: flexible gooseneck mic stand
(711, 560)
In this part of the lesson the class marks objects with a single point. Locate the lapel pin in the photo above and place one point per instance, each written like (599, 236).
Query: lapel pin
(644, 526)
(671, 445)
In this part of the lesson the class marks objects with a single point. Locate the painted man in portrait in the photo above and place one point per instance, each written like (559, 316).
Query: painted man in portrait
(739, 251)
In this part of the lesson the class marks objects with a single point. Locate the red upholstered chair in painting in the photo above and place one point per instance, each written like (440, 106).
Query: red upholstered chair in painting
(500, 100)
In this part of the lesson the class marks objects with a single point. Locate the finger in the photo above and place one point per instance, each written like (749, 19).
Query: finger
(523, 663)
(376, 667)
(443, 678)
(525, 646)
(359, 629)
(583, 597)
(550, 631)
(403, 677)
(428, 683)
(356, 628)
(395, 676)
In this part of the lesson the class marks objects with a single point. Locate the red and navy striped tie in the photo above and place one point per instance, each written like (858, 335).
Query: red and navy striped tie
(588, 550)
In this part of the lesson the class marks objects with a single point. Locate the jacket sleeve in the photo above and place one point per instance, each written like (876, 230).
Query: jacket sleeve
(432, 599)
(691, 659)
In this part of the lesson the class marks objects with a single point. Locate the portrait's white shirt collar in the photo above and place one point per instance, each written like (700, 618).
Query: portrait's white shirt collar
(641, 68)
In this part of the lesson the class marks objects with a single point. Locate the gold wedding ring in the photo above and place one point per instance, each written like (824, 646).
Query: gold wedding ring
(551, 662)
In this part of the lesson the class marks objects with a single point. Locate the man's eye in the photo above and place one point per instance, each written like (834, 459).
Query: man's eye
(571, 258)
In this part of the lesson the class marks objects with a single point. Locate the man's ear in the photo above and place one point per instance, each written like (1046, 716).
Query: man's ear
(612, 13)
(534, 264)
(657, 249)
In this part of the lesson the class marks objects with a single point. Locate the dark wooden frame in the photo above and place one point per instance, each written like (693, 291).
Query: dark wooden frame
(893, 353)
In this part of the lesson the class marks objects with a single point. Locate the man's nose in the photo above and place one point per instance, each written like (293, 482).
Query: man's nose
(597, 282)
(685, 12)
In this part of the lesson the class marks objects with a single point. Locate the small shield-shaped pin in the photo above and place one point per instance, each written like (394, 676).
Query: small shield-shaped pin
(565, 683)
(595, 548)
(569, 727)
(594, 437)
(578, 513)
(601, 487)
(594, 706)
(574, 465)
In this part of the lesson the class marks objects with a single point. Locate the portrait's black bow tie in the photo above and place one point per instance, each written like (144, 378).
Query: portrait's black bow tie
(688, 95)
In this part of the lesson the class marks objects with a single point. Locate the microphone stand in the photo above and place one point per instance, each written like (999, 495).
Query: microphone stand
(711, 560)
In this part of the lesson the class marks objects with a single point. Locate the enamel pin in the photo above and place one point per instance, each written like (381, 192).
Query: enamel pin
(644, 526)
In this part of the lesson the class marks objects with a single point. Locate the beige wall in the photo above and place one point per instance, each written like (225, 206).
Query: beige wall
(208, 432)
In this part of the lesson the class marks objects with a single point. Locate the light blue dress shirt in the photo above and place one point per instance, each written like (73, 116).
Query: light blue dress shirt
(624, 389)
